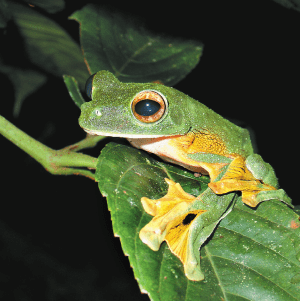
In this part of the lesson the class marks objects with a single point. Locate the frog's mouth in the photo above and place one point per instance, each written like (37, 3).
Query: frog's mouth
(109, 134)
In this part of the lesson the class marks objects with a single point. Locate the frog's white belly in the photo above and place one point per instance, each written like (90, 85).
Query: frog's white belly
(164, 148)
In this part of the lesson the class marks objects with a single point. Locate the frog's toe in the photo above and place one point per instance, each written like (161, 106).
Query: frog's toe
(253, 198)
(278, 194)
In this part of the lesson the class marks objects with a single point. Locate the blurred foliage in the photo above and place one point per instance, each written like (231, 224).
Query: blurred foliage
(293, 4)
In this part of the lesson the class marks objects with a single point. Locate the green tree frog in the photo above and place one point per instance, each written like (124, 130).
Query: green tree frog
(181, 130)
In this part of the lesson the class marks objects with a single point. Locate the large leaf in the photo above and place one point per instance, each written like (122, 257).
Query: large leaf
(48, 45)
(52, 6)
(25, 82)
(5, 13)
(253, 254)
(294, 4)
(114, 42)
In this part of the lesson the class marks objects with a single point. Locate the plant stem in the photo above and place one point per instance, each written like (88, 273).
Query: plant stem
(88, 142)
(59, 162)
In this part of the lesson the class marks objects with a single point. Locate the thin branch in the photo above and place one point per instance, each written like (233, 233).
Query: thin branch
(59, 162)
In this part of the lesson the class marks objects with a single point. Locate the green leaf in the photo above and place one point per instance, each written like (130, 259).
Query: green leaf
(73, 90)
(253, 254)
(48, 45)
(5, 13)
(25, 82)
(52, 6)
(294, 4)
(114, 42)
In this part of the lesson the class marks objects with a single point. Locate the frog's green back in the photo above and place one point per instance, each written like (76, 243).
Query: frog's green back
(236, 139)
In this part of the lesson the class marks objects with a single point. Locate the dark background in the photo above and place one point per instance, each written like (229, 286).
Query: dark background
(56, 239)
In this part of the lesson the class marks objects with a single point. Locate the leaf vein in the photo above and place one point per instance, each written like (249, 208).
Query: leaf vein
(210, 258)
(268, 279)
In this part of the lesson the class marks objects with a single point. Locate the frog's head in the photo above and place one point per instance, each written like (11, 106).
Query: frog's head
(133, 110)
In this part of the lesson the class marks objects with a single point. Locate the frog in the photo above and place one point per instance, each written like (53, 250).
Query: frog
(181, 130)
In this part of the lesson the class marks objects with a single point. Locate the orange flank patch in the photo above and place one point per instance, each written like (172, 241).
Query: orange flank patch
(176, 148)
(201, 142)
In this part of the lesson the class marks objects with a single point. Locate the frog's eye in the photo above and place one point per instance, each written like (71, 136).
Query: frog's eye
(89, 86)
(148, 106)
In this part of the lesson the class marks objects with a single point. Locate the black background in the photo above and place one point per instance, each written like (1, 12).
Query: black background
(56, 239)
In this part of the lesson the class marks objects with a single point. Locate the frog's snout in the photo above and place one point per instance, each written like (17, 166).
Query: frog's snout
(83, 115)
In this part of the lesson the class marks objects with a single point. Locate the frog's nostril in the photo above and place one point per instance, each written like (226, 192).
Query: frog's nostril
(98, 113)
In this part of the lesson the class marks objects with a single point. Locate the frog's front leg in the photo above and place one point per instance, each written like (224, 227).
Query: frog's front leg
(255, 178)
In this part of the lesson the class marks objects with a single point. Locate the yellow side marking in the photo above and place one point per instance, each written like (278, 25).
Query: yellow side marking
(198, 142)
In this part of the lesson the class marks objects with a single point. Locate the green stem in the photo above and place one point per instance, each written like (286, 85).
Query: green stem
(59, 162)
(88, 142)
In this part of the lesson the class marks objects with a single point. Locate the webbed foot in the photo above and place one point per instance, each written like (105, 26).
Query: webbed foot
(184, 222)
(254, 178)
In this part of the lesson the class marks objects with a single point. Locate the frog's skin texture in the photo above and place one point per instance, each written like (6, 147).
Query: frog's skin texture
(181, 130)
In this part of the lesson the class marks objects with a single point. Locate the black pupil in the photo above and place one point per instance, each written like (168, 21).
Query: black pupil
(89, 86)
(147, 107)
(189, 218)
